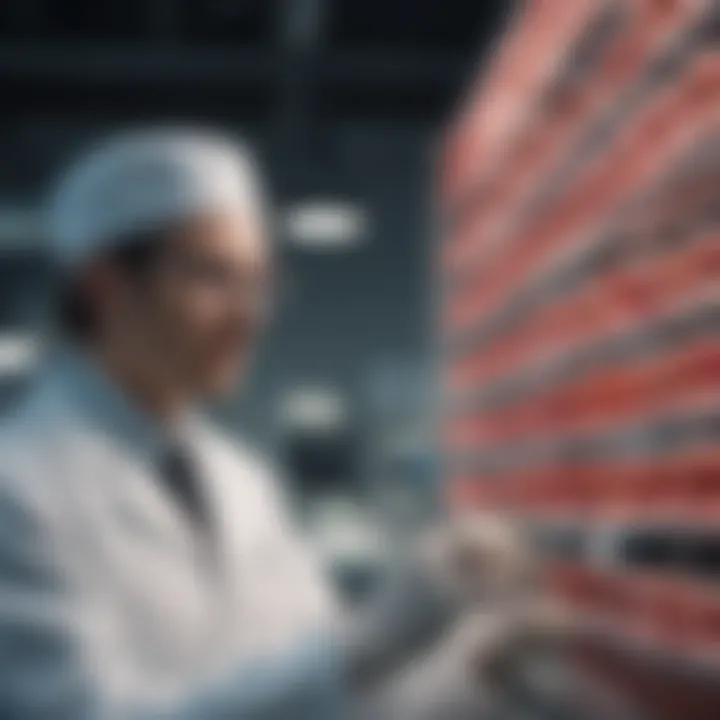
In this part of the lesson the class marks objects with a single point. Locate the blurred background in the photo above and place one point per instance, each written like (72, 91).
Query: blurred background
(581, 363)
(497, 217)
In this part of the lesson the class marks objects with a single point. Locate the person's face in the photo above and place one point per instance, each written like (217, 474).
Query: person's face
(203, 304)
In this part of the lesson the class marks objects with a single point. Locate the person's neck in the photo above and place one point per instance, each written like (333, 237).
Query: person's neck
(146, 383)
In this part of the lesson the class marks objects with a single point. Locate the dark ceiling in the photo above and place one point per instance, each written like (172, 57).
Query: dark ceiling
(241, 58)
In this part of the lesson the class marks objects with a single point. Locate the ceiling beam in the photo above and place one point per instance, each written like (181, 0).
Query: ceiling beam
(146, 65)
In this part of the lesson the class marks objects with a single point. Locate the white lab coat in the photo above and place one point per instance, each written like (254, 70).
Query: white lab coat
(109, 606)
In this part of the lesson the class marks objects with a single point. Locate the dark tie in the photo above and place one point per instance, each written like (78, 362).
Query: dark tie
(180, 475)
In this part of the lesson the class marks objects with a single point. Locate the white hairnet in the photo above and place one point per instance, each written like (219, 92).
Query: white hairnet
(144, 180)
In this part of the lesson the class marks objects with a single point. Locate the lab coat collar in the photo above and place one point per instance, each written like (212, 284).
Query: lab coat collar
(115, 412)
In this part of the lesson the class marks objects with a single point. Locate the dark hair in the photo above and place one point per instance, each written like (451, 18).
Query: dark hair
(134, 256)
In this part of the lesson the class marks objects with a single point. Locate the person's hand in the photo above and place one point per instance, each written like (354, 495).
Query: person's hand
(473, 564)
(507, 620)
(481, 559)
